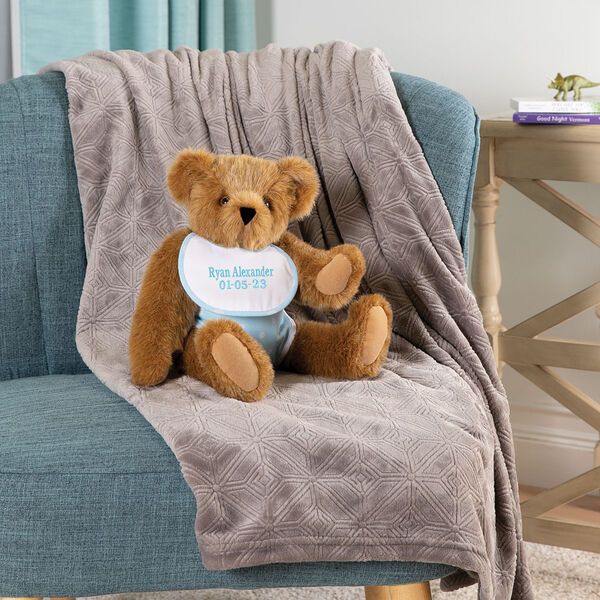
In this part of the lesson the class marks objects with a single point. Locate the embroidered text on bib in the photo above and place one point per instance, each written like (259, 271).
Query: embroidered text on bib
(249, 287)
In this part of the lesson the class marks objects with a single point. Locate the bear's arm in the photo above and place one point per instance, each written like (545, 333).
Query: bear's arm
(327, 279)
(163, 315)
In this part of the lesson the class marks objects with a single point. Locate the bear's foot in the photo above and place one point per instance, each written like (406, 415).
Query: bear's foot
(353, 349)
(223, 355)
(375, 335)
(368, 331)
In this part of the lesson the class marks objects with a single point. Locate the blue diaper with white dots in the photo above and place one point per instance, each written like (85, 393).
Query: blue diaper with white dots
(249, 287)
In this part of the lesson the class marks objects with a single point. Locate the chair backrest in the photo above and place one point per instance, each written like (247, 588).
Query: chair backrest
(42, 253)
(447, 127)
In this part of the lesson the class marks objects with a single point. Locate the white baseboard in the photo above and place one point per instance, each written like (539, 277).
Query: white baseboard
(15, 36)
(551, 444)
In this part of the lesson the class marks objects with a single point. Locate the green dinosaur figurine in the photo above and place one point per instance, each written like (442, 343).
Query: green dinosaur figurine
(570, 83)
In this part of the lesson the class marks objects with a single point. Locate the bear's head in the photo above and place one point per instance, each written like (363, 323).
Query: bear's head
(242, 201)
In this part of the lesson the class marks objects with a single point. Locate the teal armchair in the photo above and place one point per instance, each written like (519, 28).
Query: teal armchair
(92, 501)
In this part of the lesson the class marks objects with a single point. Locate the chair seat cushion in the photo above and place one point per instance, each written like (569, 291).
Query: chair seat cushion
(92, 501)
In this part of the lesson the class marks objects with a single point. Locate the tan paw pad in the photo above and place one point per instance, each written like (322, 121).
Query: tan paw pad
(375, 335)
(333, 277)
(235, 361)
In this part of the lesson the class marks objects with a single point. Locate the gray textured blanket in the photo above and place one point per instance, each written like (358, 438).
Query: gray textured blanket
(416, 464)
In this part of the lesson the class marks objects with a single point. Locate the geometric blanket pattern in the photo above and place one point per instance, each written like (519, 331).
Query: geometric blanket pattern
(415, 464)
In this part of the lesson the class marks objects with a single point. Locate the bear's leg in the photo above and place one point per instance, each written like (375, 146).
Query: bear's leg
(352, 349)
(223, 355)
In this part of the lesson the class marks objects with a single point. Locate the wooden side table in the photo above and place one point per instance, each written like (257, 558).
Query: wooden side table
(523, 156)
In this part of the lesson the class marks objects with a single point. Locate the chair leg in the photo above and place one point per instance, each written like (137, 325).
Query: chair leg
(409, 591)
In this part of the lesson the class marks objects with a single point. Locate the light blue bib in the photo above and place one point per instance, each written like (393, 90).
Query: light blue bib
(249, 287)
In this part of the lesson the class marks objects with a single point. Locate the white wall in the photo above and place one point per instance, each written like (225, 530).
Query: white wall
(490, 52)
(5, 55)
(486, 50)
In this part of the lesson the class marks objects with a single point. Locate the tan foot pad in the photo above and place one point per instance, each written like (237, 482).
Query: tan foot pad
(375, 336)
(333, 277)
(235, 361)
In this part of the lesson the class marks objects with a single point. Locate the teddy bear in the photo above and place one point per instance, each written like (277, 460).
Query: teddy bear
(213, 295)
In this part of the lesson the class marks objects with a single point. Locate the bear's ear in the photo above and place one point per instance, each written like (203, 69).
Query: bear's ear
(189, 167)
(304, 179)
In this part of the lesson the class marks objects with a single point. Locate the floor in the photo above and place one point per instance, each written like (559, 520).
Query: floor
(558, 574)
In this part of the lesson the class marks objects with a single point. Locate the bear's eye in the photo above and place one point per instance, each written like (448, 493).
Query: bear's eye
(224, 200)
(267, 203)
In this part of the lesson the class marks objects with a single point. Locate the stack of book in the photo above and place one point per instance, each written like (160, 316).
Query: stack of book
(546, 111)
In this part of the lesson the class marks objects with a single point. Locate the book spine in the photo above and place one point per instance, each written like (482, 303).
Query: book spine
(556, 119)
(556, 106)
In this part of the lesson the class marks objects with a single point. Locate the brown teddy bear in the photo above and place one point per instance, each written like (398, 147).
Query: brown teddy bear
(217, 291)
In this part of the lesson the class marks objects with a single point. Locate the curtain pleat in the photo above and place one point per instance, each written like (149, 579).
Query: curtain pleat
(51, 30)
(212, 24)
(61, 29)
(240, 25)
(184, 23)
(139, 25)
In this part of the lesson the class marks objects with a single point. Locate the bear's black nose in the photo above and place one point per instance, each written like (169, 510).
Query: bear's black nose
(247, 214)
